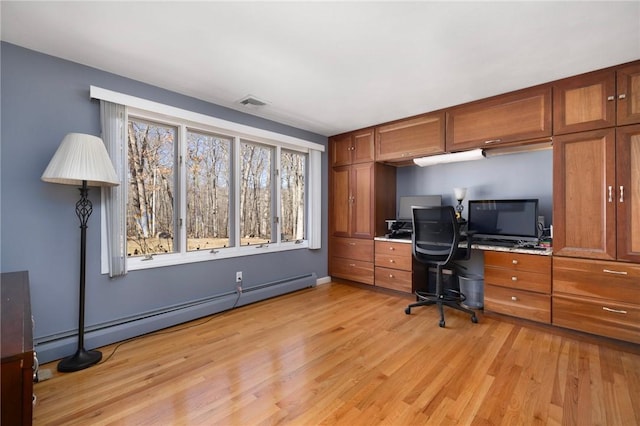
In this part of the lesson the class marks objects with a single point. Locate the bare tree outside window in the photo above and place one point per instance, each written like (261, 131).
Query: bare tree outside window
(292, 195)
(208, 165)
(255, 193)
(150, 204)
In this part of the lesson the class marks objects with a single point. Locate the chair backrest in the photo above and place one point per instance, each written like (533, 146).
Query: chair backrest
(436, 234)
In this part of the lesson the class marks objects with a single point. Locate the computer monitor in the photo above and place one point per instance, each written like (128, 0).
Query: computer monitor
(515, 220)
(406, 202)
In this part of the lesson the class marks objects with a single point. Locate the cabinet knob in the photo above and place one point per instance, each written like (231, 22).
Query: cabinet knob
(622, 96)
(514, 278)
(392, 248)
(611, 98)
(353, 265)
(391, 276)
(514, 298)
(392, 261)
(514, 261)
(352, 244)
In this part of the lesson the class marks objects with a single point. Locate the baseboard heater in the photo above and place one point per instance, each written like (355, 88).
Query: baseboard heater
(59, 345)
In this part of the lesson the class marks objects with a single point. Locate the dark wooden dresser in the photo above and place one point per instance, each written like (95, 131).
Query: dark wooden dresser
(17, 350)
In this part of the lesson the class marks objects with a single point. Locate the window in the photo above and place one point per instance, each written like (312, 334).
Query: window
(198, 188)
(208, 168)
(150, 203)
(292, 195)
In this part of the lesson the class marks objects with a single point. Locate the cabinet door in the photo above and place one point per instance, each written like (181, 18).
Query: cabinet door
(341, 201)
(341, 149)
(363, 151)
(514, 117)
(584, 204)
(407, 139)
(362, 200)
(352, 148)
(629, 95)
(585, 102)
(628, 192)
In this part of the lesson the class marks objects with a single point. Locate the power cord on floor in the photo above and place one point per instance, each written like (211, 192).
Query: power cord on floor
(158, 333)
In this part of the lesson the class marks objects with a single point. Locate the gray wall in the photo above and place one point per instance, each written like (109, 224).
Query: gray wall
(523, 175)
(44, 98)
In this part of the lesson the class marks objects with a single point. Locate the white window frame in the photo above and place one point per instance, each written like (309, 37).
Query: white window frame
(189, 120)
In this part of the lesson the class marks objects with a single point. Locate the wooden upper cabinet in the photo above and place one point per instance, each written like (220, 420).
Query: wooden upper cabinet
(628, 192)
(628, 94)
(352, 148)
(585, 102)
(404, 140)
(519, 116)
(584, 195)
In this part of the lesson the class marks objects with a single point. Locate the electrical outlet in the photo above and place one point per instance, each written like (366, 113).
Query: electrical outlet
(239, 276)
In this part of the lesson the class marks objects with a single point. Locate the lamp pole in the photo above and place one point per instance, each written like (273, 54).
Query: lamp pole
(82, 358)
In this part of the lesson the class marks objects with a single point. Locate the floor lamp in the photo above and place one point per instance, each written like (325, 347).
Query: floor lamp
(81, 160)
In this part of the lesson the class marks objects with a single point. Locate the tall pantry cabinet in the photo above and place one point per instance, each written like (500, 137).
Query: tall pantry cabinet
(362, 196)
(596, 203)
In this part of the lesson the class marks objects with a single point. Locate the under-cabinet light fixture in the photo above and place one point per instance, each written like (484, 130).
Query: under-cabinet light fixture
(475, 154)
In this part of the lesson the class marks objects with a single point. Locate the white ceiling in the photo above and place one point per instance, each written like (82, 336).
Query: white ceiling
(331, 67)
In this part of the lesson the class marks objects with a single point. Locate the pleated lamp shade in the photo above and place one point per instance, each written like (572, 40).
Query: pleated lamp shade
(81, 157)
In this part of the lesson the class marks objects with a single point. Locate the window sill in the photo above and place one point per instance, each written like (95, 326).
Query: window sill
(161, 260)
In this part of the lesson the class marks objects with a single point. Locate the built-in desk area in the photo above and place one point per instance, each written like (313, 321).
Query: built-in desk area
(517, 280)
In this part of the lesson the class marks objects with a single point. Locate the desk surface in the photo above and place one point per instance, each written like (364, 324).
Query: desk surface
(540, 251)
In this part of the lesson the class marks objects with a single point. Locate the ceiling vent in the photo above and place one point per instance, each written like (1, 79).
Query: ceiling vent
(252, 101)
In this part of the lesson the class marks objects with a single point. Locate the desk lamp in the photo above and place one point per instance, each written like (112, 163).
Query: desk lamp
(81, 160)
(460, 193)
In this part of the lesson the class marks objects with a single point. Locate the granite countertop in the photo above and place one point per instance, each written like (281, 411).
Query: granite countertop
(543, 251)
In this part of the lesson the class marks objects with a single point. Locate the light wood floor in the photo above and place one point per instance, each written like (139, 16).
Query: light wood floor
(338, 354)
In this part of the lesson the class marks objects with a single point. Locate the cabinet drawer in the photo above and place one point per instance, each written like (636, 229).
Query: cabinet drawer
(393, 255)
(615, 281)
(518, 261)
(617, 320)
(521, 280)
(517, 303)
(394, 279)
(354, 270)
(352, 248)
(398, 249)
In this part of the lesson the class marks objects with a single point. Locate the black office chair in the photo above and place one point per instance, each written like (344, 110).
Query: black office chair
(435, 239)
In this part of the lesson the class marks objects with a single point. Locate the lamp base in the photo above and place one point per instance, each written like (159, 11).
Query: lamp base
(79, 361)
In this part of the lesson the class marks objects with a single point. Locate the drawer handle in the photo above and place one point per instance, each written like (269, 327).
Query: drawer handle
(392, 248)
(352, 244)
(514, 278)
(616, 311)
(514, 298)
(514, 261)
(392, 261)
(492, 141)
(622, 96)
(352, 265)
(391, 276)
(609, 271)
(611, 98)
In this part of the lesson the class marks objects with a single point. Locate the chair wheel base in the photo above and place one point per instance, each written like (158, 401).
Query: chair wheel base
(441, 323)
(407, 311)
(474, 319)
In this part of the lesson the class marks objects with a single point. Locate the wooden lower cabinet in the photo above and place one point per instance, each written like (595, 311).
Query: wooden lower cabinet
(598, 297)
(393, 263)
(396, 268)
(352, 259)
(518, 285)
